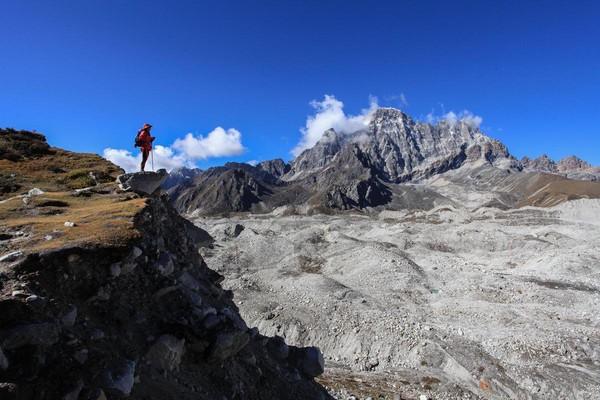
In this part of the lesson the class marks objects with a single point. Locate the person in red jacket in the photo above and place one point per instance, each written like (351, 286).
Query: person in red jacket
(146, 146)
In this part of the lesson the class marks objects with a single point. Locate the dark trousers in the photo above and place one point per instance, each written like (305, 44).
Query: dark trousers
(145, 154)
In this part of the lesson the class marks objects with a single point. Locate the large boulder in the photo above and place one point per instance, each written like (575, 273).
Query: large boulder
(166, 353)
(229, 344)
(119, 382)
(308, 360)
(144, 183)
(41, 334)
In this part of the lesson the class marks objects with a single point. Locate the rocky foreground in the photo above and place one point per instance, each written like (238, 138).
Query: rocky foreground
(445, 304)
(103, 294)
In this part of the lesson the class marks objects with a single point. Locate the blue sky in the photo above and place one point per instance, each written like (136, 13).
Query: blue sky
(240, 76)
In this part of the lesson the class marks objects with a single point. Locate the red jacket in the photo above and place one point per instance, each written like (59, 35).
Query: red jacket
(146, 140)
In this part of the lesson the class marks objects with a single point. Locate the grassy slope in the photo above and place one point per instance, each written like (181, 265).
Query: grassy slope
(101, 214)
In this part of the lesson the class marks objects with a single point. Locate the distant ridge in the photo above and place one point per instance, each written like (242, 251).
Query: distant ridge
(391, 164)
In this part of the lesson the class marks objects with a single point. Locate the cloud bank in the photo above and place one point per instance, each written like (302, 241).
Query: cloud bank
(183, 152)
(329, 113)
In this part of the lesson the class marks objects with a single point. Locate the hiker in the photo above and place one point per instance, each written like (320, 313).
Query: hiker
(146, 143)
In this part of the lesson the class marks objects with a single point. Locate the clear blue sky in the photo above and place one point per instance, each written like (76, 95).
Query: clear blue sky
(89, 73)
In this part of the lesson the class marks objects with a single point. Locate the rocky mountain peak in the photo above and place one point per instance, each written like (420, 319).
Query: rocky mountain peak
(571, 163)
(398, 149)
(542, 163)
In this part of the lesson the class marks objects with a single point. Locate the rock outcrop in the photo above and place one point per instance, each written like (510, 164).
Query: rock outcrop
(121, 305)
(144, 183)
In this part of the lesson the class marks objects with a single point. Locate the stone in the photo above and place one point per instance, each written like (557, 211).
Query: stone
(115, 270)
(166, 290)
(41, 334)
(204, 312)
(193, 297)
(128, 268)
(81, 356)
(166, 353)
(68, 319)
(211, 322)
(103, 293)
(73, 257)
(230, 315)
(228, 344)
(423, 397)
(189, 281)
(234, 231)
(35, 192)
(136, 252)
(3, 361)
(11, 256)
(119, 382)
(165, 264)
(35, 301)
(278, 348)
(97, 334)
(8, 391)
(143, 183)
(70, 224)
(73, 393)
(312, 362)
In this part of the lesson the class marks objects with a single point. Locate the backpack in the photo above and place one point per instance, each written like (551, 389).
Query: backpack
(137, 141)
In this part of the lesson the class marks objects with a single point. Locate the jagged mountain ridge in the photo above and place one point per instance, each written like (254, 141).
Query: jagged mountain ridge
(400, 149)
(391, 161)
(179, 176)
(571, 167)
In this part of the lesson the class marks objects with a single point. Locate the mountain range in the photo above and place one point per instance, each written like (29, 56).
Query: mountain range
(394, 163)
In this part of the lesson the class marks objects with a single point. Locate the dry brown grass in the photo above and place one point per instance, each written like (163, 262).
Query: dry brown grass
(100, 220)
(102, 215)
(63, 170)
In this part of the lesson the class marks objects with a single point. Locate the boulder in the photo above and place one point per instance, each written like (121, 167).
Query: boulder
(166, 263)
(312, 363)
(228, 344)
(234, 231)
(8, 391)
(42, 334)
(278, 348)
(166, 353)
(119, 382)
(68, 319)
(144, 183)
(11, 256)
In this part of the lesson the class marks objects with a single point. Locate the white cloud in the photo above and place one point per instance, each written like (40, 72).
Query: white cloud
(218, 143)
(452, 118)
(123, 159)
(398, 97)
(330, 114)
(183, 152)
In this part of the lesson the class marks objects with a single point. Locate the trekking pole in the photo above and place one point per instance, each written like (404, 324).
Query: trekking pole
(152, 153)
